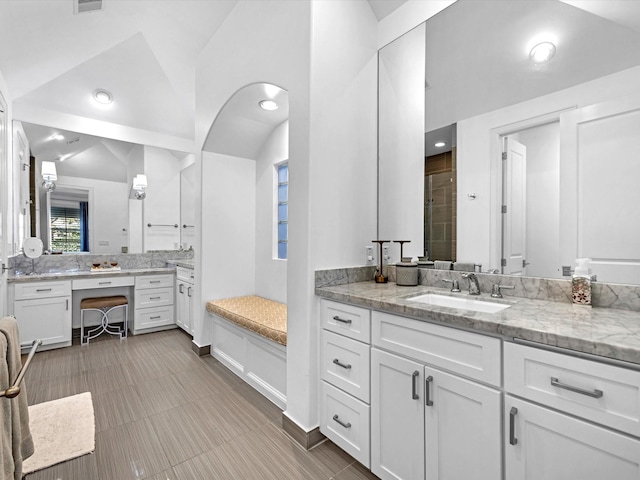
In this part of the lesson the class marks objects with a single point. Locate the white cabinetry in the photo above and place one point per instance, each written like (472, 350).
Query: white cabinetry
(154, 302)
(426, 422)
(547, 444)
(184, 298)
(43, 311)
(345, 373)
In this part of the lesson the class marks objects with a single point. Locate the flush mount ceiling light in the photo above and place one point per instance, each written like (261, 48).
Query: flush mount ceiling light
(268, 105)
(57, 136)
(439, 144)
(102, 96)
(542, 52)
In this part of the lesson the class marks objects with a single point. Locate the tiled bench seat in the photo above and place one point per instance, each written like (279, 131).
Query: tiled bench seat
(249, 336)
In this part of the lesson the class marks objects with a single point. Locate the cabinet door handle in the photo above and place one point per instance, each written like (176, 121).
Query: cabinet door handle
(595, 393)
(340, 364)
(337, 419)
(414, 389)
(181, 288)
(427, 396)
(512, 426)
(43, 290)
(188, 291)
(67, 307)
(338, 319)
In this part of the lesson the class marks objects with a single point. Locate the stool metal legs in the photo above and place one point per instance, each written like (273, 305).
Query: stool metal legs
(104, 324)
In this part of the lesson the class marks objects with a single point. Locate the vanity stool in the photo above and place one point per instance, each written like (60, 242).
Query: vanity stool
(104, 305)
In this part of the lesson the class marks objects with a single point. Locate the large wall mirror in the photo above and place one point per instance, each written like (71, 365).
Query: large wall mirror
(567, 129)
(91, 203)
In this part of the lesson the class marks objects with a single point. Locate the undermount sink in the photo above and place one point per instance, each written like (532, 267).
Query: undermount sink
(459, 303)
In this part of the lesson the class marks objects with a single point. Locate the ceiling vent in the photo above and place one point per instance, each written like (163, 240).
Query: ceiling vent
(86, 6)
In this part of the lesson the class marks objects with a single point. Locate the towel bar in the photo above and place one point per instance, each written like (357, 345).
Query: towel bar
(14, 390)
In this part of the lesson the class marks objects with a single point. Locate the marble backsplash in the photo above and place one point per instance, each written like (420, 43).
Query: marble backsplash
(607, 295)
(22, 265)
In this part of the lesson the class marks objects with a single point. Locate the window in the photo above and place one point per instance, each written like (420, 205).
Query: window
(69, 228)
(283, 209)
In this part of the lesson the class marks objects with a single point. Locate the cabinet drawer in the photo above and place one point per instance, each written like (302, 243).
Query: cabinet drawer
(154, 297)
(347, 320)
(345, 421)
(154, 281)
(153, 317)
(26, 291)
(186, 274)
(102, 282)
(469, 354)
(345, 364)
(606, 394)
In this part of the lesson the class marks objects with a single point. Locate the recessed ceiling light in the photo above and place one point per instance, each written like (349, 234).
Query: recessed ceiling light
(542, 52)
(439, 144)
(103, 97)
(268, 105)
(57, 136)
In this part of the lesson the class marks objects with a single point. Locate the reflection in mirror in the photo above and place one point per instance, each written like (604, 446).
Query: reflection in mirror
(92, 208)
(485, 82)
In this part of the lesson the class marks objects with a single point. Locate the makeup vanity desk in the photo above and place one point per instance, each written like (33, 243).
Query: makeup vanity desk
(47, 306)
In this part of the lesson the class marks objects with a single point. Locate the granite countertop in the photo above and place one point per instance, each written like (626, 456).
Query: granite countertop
(186, 263)
(605, 332)
(77, 274)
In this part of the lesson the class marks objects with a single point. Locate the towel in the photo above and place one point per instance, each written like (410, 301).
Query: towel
(442, 265)
(16, 443)
(464, 267)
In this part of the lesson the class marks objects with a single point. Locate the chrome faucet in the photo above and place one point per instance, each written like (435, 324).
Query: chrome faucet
(454, 284)
(474, 286)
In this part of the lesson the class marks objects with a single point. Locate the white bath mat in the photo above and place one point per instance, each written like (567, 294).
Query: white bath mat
(61, 429)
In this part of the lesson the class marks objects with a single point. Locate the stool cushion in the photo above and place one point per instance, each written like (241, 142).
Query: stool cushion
(103, 302)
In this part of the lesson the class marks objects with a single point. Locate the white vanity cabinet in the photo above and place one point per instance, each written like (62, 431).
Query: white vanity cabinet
(585, 422)
(345, 374)
(43, 311)
(427, 422)
(184, 298)
(154, 303)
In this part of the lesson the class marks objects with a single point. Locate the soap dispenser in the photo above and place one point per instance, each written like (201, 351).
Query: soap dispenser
(581, 283)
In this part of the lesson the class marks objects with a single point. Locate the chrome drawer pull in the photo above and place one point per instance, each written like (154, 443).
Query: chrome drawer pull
(427, 400)
(154, 318)
(104, 283)
(338, 319)
(512, 426)
(345, 425)
(155, 281)
(340, 364)
(154, 298)
(414, 390)
(595, 393)
(43, 290)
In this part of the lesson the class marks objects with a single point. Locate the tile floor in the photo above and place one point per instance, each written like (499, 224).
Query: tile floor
(163, 413)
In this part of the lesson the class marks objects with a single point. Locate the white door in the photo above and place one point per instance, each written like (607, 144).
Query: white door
(397, 417)
(463, 428)
(599, 191)
(514, 207)
(4, 206)
(542, 444)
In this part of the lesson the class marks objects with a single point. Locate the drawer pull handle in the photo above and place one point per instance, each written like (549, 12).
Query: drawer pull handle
(595, 393)
(154, 318)
(154, 298)
(340, 364)
(181, 288)
(155, 281)
(414, 390)
(104, 283)
(43, 290)
(337, 419)
(512, 426)
(338, 319)
(427, 396)
(188, 291)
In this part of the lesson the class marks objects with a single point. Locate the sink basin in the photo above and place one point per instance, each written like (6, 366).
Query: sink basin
(459, 303)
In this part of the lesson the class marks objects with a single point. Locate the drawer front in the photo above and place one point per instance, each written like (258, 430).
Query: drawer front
(154, 281)
(345, 421)
(154, 297)
(186, 274)
(347, 320)
(103, 282)
(153, 317)
(605, 394)
(345, 364)
(469, 354)
(26, 291)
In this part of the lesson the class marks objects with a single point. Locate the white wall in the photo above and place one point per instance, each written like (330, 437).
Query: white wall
(232, 245)
(271, 272)
(6, 192)
(409, 15)
(162, 203)
(108, 212)
(188, 181)
(135, 165)
(478, 158)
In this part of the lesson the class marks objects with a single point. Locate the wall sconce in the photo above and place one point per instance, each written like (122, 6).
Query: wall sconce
(139, 186)
(49, 176)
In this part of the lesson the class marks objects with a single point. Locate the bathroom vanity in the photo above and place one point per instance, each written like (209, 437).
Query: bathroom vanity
(538, 390)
